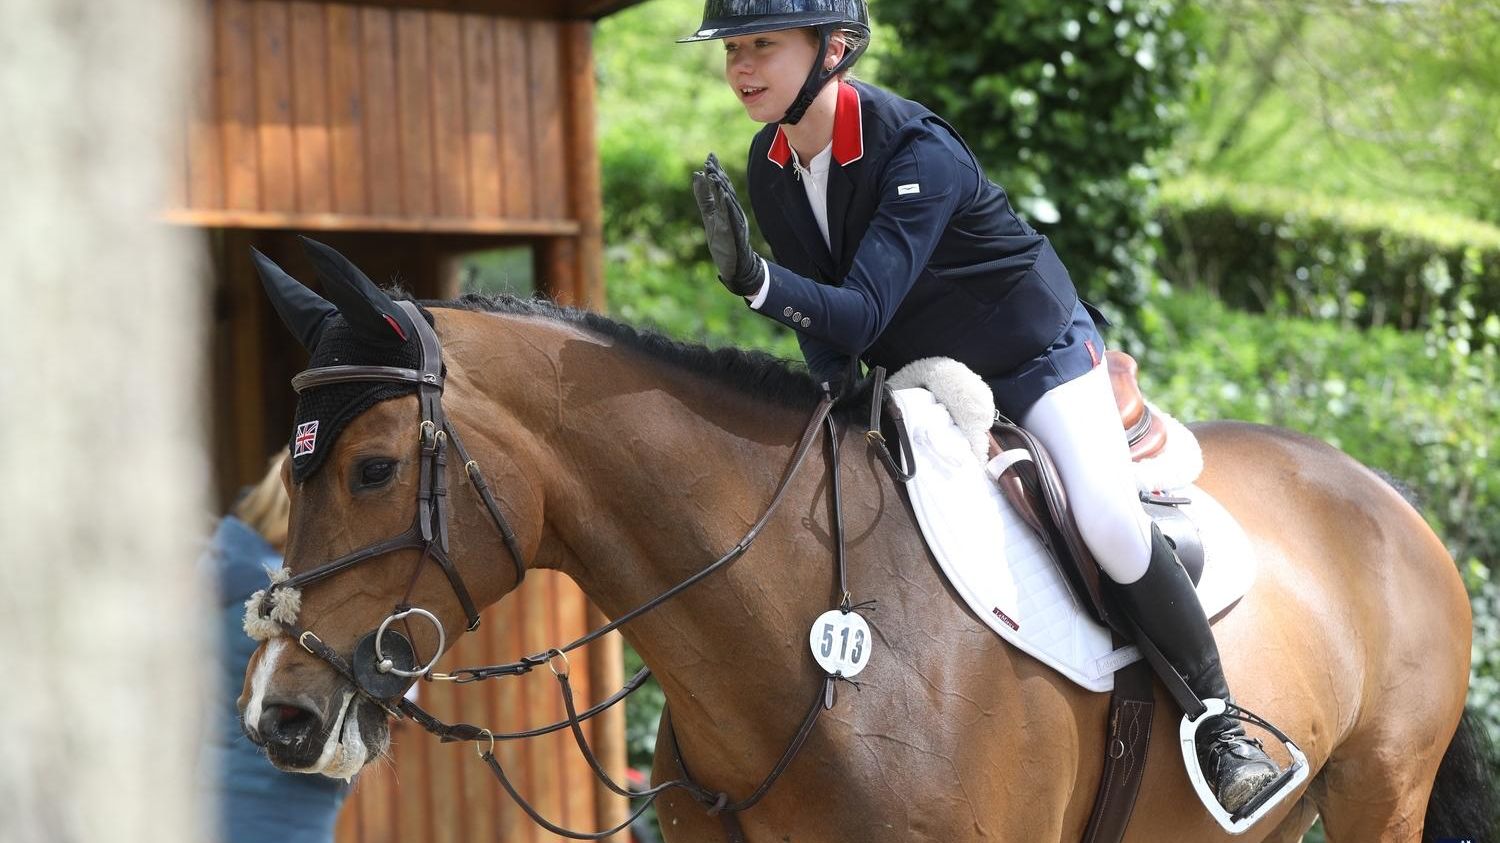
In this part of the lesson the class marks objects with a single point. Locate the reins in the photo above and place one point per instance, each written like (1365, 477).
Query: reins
(373, 671)
(525, 664)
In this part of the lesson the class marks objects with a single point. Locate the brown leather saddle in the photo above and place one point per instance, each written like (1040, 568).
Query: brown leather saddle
(1144, 430)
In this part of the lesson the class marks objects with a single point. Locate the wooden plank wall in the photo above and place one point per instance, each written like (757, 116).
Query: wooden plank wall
(443, 793)
(375, 118)
(457, 130)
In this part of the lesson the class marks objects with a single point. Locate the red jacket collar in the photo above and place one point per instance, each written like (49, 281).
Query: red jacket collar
(848, 132)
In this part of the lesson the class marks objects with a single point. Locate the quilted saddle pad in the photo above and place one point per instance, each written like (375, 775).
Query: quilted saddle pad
(999, 567)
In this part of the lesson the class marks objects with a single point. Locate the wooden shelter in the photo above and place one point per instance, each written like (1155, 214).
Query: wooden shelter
(408, 133)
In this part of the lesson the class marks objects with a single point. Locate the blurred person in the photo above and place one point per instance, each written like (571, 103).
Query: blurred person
(257, 803)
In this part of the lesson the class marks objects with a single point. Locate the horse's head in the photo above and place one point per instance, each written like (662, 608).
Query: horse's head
(372, 592)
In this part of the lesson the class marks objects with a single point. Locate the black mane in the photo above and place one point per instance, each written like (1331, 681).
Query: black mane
(754, 373)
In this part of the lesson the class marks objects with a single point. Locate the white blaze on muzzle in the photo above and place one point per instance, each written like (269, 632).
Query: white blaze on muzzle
(264, 622)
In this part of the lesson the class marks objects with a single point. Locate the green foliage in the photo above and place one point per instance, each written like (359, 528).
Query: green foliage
(1366, 100)
(1415, 406)
(1365, 263)
(1484, 688)
(495, 271)
(1064, 102)
(663, 107)
(643, 715)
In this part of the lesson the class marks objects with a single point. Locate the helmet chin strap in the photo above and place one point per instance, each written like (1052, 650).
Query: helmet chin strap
(817, 77)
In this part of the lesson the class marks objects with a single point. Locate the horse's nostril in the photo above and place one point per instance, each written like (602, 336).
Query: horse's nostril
(289, 713)
(286, 724)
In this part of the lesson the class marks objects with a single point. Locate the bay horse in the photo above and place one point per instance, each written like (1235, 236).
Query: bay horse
(628, 462)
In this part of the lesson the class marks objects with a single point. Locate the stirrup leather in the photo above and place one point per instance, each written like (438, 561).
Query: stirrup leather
(1273, 794)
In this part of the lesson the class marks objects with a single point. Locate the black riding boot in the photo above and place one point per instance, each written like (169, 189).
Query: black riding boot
(1164, 605)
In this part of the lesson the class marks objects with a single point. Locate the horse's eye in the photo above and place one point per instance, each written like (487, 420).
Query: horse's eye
(376, 473)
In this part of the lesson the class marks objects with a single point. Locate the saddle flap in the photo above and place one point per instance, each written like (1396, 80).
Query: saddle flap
(1122, 378)
(1034, 488)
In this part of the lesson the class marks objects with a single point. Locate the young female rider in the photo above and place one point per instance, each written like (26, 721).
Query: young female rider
(891, 245)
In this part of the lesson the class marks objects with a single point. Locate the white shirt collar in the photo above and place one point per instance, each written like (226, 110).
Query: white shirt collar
(819, 164)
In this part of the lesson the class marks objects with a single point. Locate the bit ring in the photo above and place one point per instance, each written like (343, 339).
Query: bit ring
(385, 665)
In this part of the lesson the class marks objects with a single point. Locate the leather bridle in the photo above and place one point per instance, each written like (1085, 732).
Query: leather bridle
(384, 660)
(429, 528)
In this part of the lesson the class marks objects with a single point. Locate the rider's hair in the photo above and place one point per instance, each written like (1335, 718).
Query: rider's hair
(265, 506)
(853, 40)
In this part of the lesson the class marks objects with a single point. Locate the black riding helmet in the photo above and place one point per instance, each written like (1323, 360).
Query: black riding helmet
(729, 18)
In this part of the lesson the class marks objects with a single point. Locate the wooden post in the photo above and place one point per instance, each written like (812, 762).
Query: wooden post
(583, 164)
(607, 675)
(557, 269)
(246, 304)
(586, 260)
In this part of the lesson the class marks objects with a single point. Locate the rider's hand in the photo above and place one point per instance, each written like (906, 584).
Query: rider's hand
(740, 268)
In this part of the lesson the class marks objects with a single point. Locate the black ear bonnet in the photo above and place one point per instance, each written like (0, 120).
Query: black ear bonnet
(324, 411)
(359, 325)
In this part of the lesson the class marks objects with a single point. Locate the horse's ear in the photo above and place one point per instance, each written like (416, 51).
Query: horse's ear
(302, 311)
(372, 313)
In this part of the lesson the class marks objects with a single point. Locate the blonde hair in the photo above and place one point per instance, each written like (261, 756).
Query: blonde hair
(853, 40)
(265, 507)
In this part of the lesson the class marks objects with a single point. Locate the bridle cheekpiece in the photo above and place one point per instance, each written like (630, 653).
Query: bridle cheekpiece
(385, 659)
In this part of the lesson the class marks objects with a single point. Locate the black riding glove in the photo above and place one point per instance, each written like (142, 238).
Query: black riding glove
(740, 268)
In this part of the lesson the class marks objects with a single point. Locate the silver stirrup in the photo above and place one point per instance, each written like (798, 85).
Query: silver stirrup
(385, 665)
(1284, 785)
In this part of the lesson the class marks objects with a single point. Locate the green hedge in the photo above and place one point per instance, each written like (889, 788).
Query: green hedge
(1065, 102)
(1419, 407)
(1362, 263)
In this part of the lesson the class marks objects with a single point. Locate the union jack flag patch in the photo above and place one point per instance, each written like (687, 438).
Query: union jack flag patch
(305, 440)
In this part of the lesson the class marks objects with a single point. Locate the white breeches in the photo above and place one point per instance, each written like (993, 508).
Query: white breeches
(1079, 424)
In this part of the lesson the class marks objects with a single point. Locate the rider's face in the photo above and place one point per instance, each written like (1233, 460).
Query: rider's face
(766, 70)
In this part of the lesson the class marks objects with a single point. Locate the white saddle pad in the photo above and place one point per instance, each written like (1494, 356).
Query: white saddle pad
(1001, 569)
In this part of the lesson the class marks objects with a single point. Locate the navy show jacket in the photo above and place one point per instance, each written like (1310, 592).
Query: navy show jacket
(927, 257)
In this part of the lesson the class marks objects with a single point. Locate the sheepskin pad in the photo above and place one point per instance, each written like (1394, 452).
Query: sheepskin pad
(958, 388)
(285, 604)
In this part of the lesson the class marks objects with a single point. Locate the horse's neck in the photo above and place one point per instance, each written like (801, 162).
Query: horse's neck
(659, 473)
(642, 474)
(659, 482)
